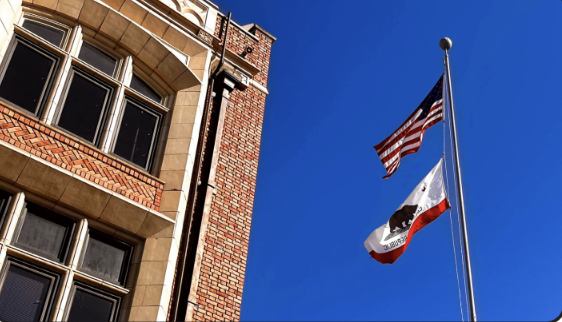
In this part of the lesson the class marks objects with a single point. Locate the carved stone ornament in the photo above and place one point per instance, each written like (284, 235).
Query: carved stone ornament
(205, 36)
(245, 80)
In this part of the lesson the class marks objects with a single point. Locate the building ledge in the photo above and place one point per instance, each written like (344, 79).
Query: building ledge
(63, 152)
(253, 27)
(70, 190)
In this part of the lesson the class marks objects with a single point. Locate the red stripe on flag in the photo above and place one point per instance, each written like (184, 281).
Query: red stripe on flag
(406, 132)
(437, 120)
(387, 141)
(410, 151)
(390, 143)
(383, 143)
(404, 153)
(421, 221)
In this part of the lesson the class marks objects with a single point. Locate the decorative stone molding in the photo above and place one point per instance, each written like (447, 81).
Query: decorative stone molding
(91, 164)
(242, 80)
(205, 36)
(194, 11)
(120, 28)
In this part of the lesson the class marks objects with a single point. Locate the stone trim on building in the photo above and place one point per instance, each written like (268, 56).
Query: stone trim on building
(89, 163)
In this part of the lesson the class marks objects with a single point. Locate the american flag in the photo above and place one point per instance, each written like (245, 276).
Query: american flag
(408, 138)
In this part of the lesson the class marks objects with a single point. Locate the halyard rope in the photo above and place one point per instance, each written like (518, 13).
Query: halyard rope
(450, 213)
(459, 222)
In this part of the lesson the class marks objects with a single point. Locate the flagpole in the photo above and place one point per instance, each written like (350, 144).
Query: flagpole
(446, 45)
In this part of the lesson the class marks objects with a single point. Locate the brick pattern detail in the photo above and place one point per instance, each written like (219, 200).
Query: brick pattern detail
(238, 40)
(219, 293)
(93, 165)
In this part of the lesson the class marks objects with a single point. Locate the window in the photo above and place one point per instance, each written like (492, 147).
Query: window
(31, 292)
(51, 34)
(27, 74)
(88, 304)
(27, 292)
(140, 86)
(98, 59)
(138, 132)
(85, 105)
(93, 101)
(44, 232)
(106, 257)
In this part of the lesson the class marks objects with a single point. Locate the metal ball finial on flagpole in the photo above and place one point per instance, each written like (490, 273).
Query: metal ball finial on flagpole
(446, 44)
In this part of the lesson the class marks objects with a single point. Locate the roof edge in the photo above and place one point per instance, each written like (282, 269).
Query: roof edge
(252, 27)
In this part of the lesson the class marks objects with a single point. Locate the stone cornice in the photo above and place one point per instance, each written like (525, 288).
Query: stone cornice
(251, 27)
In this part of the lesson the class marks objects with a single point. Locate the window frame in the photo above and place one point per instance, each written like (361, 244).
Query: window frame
(164, 90)
(50, 23)
(51, 216)
(5, 202)
(16, 39)
(127, 97)
(112, 241)
(53, 276)
(119, 59)
(150, 86)
(70, 268)
(118, 300)
(108, 102)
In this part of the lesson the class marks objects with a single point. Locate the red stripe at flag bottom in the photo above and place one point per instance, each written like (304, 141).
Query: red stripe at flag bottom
(422, 220)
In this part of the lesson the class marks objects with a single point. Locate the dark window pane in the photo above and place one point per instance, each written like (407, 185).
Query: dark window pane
(106, 257)
(26, 77)
(84, 107)
(45, 232)
(97, 58)
(136, 134)
(50, 34)
(143, 88)
(24, 295)
(89, 306)
(41, 235)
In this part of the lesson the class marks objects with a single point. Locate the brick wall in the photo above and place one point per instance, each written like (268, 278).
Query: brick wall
(221, 282)
(55, 147)
(238, 40)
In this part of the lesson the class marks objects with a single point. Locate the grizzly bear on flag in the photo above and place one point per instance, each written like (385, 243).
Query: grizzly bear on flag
(401, 218)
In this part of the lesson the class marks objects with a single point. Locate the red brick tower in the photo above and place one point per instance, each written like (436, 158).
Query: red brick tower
(222, 217)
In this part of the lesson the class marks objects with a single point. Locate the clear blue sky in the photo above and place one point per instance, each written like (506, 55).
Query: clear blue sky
(344, 75)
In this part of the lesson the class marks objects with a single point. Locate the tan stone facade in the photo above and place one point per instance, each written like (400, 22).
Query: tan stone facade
(125, 174)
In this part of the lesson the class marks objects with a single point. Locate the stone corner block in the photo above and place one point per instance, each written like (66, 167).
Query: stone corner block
(124, 214)
(12, 162)
(43, 179)
(154, 223)
(93, 205)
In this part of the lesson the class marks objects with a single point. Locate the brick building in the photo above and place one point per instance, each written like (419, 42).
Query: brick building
(129, 147)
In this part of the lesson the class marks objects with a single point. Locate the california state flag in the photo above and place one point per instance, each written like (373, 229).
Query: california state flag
(427, 202)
